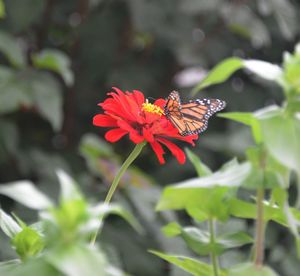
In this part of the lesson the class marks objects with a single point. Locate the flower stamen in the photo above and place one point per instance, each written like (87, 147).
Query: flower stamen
(152, 108)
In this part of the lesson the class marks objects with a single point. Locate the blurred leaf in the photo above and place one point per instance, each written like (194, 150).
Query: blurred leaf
(2, 9)
(28, 243)
(78, 260)
(232, 240)
(212, 191)
(9, 139)
(10, 47)
(7, 266)
(231, 176)
(177, 199)
(247, 119)
(70, 215)
(200, 167)
(279, 214)
(47, 96)
(103, 210)
(92, 145)
(172, 229)
(56, 61)
(286, 16)
(249, 269)
(266, 172)
(25, 193)
(188, 264)
(281, 136)
(243, 21)
(293, 223)
(291, 65)
(21, 14)
(68, 188)
(31, 89)
(13, 94)
(34, 266)
(264, 69)
(9, 225)
(199, 240)
(219, 73)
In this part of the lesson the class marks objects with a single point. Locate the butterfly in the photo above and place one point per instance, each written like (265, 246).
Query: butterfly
(191, 117)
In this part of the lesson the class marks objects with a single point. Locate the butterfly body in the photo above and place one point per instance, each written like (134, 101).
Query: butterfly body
(191, 117)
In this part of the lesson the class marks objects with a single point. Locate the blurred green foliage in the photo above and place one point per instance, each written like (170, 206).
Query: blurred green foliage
(58, 59)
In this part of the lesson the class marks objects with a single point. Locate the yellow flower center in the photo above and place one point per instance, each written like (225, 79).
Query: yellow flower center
(152, 108)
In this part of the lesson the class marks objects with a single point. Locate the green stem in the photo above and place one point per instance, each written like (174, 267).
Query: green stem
(213, 256)
(260, 229)
(133, 155)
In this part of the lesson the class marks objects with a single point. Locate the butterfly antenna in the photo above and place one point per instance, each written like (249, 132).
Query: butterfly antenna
(151, 98)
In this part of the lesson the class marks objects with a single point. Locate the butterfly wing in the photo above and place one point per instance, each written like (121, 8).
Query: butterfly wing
(196, 114)
(192, 117)
(172, 110)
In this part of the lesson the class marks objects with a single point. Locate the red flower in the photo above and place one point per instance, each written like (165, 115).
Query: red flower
(128, 113)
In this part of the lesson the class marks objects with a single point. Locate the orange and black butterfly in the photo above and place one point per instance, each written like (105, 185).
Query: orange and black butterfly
(192, 117)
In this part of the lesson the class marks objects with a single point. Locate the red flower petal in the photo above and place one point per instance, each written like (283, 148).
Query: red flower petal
(139, 97)
(136, 138)
(160, 102)
(115, 134)
(104, 121)
(148, 135)
(134, 135)
(159, 151)
(175, 150)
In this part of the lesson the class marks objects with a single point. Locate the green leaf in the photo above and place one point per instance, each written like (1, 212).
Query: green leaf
(92, 146)
(199, 240)
(248, 119)
(176, 199)
(2, 9)
(266, 172)
(102, 210)
(293, 224)
(263, 69)
(70, 215)
(25, 193)
(281, 136)
(47, 97)
(12, 91)
(78, 260)
(249, 269)
(219, 73)
(291, 66)
(9, 140)
(188, 264)
(200, 167)
(8, 225)
(172, 229)
(7, 266)
(231, 176)
(68, 187)
(243, 209)
(9, 46)
(56, 61)
(212, 191)
(28, 243)
(232, 240)
(34, 266)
